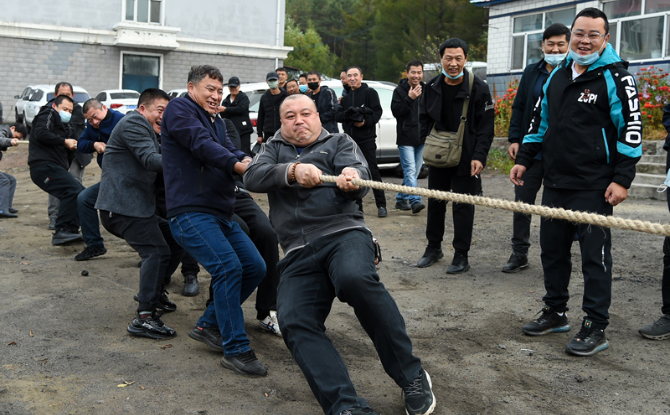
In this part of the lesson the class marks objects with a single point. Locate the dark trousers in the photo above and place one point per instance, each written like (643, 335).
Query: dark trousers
(556, 237)
(189, 266)
(245, 143)
(665, 285)
(532, 181)
(153, 241)
(88, 216)
(59, 183)
(339, 265)
(463, 213)
(369, 149)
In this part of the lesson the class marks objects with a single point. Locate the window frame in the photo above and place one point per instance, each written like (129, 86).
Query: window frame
(127, 52)
(135, 5)
(665, 54)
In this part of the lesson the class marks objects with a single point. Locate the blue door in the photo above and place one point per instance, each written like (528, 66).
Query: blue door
(140, 72)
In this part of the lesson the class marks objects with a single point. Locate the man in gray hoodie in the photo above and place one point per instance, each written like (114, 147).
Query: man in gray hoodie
(329, 253)
(9, 136)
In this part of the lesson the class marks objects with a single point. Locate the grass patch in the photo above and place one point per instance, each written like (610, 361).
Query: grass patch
(498, 162)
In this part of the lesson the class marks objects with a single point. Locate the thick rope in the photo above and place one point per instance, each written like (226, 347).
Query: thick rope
(547, 212)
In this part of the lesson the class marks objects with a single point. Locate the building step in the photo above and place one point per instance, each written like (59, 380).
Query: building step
(655, 158)
(651, 168)
(646, 178)
(646, 191)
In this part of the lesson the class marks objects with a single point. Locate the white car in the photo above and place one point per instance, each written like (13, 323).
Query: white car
(31, 101)
(121, 100)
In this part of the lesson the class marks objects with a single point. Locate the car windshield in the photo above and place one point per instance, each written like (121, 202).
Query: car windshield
(254, 100)
(79, 97)
(125, 95)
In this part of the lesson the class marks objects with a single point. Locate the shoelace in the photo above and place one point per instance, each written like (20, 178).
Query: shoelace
(414, 388)
(247, 357)
(583, 333)
(345, 412)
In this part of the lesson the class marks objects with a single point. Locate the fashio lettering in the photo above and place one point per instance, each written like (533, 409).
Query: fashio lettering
(634, 130)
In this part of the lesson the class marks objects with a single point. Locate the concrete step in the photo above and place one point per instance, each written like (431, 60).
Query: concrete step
(646, 178)
(651, 168)
(656, 158)
(646, 191)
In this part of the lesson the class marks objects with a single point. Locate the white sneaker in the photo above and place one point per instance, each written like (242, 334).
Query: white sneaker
(270, 323)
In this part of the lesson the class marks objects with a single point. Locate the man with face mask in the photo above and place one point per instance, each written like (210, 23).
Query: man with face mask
(50, 154)
(325, 100)
(588, 126)
(555, 40)
(268, 121)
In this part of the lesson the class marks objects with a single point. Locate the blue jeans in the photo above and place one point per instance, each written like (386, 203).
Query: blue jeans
(236, 267)
(88, 216)
(339, 265)
(411, 160)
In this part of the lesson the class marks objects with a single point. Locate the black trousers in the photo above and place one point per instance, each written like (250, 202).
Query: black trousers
(245, 143)
(152, 239)
(532, 181)
(256, 224)
(463, 213)
(60, 183)
(556, 237)
(369, 149)
(665, 285)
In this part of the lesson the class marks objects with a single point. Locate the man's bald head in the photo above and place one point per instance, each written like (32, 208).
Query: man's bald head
(300, 122)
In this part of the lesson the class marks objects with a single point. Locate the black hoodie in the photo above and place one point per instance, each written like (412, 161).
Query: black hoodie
(47, 141)
(406, 112)
(364, 97)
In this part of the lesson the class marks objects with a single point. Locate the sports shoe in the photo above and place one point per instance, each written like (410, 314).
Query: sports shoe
(357, 410)
(8, 215)
(588, 341)
(660, 330)
(418, 395)
(191, 287)
(209, 335)
(151, 327)
(459, 264)
(62, 237)
(245, 364)
(12, 210)
(270, 323)
(515, 263)
(417, 207)
(381, 212)
(163, 303)
(403, 205)
(549, 322)
(429, 257)
(90, 252)
(52, 224)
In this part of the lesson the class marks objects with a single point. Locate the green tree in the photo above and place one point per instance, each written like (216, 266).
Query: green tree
(309, 52)
(359, 48)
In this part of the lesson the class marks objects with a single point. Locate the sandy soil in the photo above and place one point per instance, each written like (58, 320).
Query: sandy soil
(65, 348)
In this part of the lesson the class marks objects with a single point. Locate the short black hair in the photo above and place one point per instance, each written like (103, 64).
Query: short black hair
(20, 128)
(414, 63)
(593, 13)
(557, 29)
(292, 80)
(454, 43)
(60, 98)
(355, 67)
(303, 75)
(91, 103)
(60, 84)
(317, 73)
(149, 95)
(281, 69)
(198, 73)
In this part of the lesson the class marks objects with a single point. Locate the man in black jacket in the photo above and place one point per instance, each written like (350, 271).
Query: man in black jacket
(359, 113)
(441, 107)
(50, 153)
(555, 40)
(409, 137)
(325, 100)
(235, 107)
(268, 121)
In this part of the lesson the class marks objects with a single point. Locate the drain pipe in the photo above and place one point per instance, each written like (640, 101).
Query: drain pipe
(278, 25)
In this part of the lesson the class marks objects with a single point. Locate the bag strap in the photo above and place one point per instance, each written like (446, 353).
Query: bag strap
(466, 103)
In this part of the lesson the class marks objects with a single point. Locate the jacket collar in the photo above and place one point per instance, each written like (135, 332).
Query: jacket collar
(608, 57)
(462, 93)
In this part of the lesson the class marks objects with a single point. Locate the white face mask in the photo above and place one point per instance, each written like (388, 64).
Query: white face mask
(554, 59)
(586, 60)
(662, 188)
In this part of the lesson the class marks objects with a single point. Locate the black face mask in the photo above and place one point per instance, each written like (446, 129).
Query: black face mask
(313, 85)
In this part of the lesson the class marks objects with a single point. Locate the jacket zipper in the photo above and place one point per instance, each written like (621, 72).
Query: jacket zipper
(607, 149)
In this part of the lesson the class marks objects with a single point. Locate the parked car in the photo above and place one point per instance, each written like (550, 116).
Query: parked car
(36, 96)
(121, 100)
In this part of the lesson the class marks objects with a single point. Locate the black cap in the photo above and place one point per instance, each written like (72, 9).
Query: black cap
(272, 76)
(234, 81)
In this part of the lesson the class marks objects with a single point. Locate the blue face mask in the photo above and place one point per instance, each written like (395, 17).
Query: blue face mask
(65, 116)
(303, 88)
(554, 59)
(586, 60)
(662, 188)
(452, 77)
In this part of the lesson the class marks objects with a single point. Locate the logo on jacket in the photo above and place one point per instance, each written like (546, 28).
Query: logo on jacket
(587, 97)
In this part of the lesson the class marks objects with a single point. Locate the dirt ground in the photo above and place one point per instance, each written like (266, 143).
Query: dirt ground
(65, 348)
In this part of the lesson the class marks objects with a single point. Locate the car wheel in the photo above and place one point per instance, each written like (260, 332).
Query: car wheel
(424, 172)
(16, 115)
(25, 122)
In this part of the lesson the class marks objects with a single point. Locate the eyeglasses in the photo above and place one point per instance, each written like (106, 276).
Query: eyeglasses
(593, 37)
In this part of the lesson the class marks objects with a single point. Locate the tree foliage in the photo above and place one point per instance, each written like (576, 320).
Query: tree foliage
(309, 52)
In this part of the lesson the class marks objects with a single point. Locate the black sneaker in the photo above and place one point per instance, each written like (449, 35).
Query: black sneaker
(588, 341)
(245, 364)
(549, 322)
(357, 410)
(404, 205)
(515, 263)
(151, 327)
(52, 224)
(381, 212)
(63, 237)
(208, 335)
(191, 287)
(660, 330)
(418, 395)
(429, 257)
(417, 207)
(459, 264)
(12, 210)
(90, 252)
(164, 302)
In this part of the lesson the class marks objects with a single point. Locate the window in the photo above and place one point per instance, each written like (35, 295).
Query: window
(139, 72)
(639, 29)
(527, 35)
(101, 97)
(143, 11)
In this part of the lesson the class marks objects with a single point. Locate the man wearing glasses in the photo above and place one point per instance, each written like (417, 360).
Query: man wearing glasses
(588, 126)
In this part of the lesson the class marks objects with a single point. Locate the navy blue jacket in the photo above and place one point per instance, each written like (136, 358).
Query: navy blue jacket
(524, 102)
(198, 161)
(92, 135)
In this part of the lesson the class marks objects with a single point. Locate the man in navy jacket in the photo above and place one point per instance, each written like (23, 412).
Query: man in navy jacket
(101, 122)
(198, 162)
